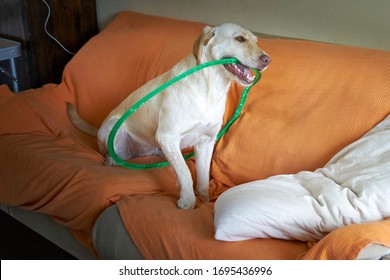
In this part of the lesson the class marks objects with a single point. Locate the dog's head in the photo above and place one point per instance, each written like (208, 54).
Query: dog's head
(230, 40)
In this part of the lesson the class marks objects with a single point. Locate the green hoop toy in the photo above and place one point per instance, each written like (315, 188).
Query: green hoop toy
(143, 100)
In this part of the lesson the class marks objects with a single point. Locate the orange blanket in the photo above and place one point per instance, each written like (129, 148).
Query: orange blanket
(294, 120)
(50, 167)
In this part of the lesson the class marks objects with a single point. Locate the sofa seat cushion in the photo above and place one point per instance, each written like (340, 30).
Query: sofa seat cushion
(162, 231)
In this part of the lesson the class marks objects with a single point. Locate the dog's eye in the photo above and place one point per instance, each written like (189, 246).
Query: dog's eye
(240, 39)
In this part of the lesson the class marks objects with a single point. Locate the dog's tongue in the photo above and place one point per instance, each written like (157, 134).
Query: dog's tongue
(241, 71)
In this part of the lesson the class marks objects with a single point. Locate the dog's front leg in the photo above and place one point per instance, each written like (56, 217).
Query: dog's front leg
(203, 153)
(171, 149)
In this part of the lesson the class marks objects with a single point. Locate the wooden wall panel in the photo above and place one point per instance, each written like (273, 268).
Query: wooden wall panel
(13, 20)
(73, 23)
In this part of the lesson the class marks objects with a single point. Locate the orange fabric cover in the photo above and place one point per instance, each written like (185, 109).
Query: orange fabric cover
(313, 100)
(347, 242)
(165, 232)
(50, 167)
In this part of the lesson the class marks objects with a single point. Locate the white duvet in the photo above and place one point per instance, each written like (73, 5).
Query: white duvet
(353, 187)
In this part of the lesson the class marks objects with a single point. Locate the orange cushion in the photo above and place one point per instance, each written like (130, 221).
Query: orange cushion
(313, 100)
(346, 243)
(188, 234)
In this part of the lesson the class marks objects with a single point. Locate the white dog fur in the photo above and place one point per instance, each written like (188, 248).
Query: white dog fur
(187, 114)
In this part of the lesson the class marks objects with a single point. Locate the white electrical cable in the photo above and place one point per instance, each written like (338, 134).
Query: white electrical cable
(48, 33)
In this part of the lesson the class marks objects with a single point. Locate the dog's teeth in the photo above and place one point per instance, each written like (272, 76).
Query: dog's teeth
(242, 72)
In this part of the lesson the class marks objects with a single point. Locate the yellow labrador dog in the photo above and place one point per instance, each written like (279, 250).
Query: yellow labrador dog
(187, 114)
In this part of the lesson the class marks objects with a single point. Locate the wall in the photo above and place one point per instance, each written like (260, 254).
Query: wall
(351, 22)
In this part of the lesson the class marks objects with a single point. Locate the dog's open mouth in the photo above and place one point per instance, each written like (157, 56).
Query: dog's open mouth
(242, 72)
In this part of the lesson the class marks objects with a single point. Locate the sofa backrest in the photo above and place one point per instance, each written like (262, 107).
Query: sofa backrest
(313, 100)
(132, 50)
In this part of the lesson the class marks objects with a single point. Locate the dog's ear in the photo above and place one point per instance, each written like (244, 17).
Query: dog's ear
(202, 41)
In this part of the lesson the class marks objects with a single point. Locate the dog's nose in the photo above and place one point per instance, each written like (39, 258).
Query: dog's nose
(265, 60)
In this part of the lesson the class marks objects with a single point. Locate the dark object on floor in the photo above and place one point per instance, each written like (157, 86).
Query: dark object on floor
(18, 242)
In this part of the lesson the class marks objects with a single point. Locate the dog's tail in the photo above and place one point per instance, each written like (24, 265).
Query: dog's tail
(78, 122)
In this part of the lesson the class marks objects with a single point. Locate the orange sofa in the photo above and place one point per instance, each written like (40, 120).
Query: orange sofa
(312, 101)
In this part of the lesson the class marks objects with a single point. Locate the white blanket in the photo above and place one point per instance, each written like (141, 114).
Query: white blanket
(353, 187)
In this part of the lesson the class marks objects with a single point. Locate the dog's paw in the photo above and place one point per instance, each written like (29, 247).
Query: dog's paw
(186, 202)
